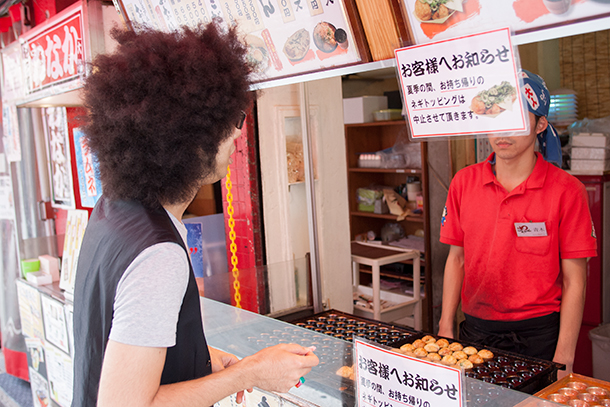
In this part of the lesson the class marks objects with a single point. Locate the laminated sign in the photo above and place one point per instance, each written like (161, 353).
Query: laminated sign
(462, 86)
(389, 379)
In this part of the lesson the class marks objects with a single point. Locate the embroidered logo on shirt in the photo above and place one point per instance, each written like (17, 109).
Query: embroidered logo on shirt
(444, 217)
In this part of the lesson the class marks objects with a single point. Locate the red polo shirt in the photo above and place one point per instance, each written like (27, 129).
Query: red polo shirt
(509, 277)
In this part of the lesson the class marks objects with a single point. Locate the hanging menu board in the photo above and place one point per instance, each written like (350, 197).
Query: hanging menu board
(284, 37)
(433, 20)
(465, 85)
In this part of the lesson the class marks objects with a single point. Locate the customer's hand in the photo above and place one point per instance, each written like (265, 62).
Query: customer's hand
(278, 368)
(220, 359)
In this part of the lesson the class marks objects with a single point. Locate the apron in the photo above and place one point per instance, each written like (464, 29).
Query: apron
(535, 337)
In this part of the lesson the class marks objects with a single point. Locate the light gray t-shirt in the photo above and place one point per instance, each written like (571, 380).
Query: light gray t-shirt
(149, 295)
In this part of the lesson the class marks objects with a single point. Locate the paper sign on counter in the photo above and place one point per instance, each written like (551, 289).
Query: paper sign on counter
(387, 378)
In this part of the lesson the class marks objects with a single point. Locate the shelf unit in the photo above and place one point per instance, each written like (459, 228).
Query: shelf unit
(372, 137)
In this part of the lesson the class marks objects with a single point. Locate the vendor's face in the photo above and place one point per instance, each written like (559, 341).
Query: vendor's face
(508, 148)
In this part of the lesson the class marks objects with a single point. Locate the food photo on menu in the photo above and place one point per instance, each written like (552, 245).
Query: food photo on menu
(436, 11)
(493, 101)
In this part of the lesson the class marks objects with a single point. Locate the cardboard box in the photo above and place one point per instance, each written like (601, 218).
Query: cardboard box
(360, 109)
(598, 140)
(50, 266)
(590, 153)
(592, 167)
(39, 278)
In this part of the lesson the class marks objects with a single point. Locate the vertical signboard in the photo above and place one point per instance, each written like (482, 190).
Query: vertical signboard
(462, 86)
(58, 151)
(89, 183)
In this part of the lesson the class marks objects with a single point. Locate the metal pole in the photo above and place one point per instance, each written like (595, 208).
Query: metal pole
(311, 199)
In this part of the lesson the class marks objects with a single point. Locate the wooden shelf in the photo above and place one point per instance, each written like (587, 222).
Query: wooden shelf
(388, 216)
(387, 170)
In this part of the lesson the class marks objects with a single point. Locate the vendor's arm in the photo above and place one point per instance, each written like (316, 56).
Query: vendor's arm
(452, 288)
(131, 376)
(572, 304)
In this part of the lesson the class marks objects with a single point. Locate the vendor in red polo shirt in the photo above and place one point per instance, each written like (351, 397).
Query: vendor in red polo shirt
(520, 232)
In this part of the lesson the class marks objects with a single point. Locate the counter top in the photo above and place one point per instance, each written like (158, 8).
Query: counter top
(243, 333)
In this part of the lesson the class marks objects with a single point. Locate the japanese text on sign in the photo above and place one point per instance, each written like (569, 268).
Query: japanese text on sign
(56, 54)
(387, 379)
(462, 86)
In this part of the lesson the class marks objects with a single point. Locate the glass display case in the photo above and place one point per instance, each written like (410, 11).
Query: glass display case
(243, 333)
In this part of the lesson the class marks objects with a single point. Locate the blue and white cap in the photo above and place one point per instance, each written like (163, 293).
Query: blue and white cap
(538, 100)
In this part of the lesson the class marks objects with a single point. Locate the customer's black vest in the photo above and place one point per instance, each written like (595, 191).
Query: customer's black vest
(117, 232)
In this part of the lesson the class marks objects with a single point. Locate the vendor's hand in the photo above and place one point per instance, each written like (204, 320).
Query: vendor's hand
(563, 373)
(445, 330)
(278, 368)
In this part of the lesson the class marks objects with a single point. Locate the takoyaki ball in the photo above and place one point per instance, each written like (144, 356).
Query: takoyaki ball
(423, 10)
(432, 347)
(486, 354)
(465, 364)
(455, 346)
(442, 12)
(407, 347)
(418, 343)
(429, 339)
(470, 350)
(476, 359)
(460, 355)
(420, 352)
(433, 356)
(449, 360)
(443, 343)
(494, 109)
(477, 105)
(445, 352)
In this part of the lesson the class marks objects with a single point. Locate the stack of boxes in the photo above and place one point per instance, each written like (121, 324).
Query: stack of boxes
(590, 153)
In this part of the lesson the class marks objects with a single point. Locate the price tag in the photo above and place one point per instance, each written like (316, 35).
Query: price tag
(390, 379)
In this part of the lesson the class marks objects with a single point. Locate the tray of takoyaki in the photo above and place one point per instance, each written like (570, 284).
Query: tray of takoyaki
(577, 390)
(491, 365)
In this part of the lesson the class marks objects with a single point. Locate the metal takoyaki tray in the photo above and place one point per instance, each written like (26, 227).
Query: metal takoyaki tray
(507, 369)
(344, 326)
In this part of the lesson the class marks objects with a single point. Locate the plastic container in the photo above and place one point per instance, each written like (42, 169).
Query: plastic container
(600, 337)
(387, 114)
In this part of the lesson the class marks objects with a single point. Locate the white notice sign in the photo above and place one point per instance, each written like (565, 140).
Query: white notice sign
(390, 379)
(462, 86)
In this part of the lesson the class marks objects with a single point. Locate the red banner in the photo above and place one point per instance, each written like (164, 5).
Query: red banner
(55, 54)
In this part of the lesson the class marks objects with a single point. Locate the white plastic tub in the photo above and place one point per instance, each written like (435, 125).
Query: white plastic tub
(600, 337)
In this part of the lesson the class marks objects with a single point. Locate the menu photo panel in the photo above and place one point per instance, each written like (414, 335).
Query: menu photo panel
(284, 37)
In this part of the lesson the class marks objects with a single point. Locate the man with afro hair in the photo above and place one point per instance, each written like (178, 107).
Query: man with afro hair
(162, 115)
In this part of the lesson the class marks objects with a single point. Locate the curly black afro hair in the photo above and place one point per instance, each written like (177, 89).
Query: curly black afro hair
(159, 107)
